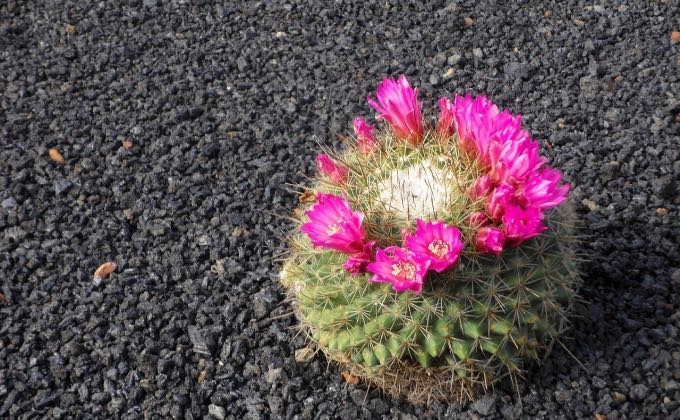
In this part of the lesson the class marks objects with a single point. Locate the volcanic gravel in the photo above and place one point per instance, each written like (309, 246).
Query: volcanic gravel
(225, 103)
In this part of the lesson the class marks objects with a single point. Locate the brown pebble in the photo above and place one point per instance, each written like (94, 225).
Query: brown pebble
(127, 144)
(307, 197)
(548, 13)
(104, 270)
(56, 156)
(70, 29)
(619, 397)
(675, 37)
(662, 211)
(2, 297)
(600, 416)
(618, 78)
(579, 22)
(201, 377)
(349, 378)
(469, 21)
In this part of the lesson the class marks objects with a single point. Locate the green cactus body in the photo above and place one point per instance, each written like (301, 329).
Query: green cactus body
(472, 325)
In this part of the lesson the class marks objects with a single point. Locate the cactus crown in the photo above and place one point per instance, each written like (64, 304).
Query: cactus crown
(434, 260)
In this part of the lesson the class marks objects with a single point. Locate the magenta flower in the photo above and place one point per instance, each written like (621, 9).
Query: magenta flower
(366, 141)
(337, 173)
(437, 242)
(356, 263)
(399, 106)
(520, 225)
(481, 187)
(490, 240)
(541, 191)
(445, 123)
(501, 197)
(399, 267)
(515, 161)
(474, 120)
(333, 225)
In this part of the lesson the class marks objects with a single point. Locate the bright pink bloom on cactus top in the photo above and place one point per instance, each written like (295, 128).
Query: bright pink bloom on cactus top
(481, 187)
(399, 267)
(333, 225)
(366, 141)
(542, 190)
(436, 242)
(337, 173)
(398, 105)
(490, 240)
(501, 197)
(356, 263)
(482, 128)
(445, 123)
(520, 224)
(474, 120)
(515, 161)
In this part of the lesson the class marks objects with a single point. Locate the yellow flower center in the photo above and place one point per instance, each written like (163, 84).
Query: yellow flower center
(404, 270)
(438, 248)
(333, 229)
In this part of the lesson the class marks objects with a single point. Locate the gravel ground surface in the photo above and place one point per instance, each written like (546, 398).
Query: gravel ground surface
(225, 104)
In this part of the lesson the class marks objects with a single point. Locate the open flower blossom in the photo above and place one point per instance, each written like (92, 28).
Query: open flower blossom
(474, 120)
(542, 190)
(490, 240)
(436, 242)
(445, 123)
(333, 225)
(356, 263)
(400, 267)
(337, 173)
(366, 141)
(398, 105)
(520, 224)
(514, 161)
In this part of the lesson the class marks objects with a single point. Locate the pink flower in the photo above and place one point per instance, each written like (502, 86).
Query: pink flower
(474, 124)
(356, 263)
(437, 242)
(399, 267)
(481, 126)
(445, 123)
(365, 139)
(337, 173)
(501, 197)
(333, 225)
(542, 191)
(399, 106)
(478, 218)
(515, 161)
(480, 188)
(520, 225)
(490, 240)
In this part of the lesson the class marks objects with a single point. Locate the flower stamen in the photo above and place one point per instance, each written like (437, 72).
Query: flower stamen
(438, 248)
(404, 270)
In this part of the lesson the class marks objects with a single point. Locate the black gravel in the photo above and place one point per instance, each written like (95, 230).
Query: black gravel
(224, 105)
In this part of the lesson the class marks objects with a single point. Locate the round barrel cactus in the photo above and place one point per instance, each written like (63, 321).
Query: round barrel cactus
(434, 260)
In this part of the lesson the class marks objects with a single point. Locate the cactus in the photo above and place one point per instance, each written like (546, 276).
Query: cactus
(498, 303)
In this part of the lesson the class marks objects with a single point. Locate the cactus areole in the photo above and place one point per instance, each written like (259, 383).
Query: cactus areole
(436, 259)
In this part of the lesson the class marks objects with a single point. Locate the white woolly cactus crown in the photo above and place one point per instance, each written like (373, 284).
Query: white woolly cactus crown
(434, 261)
